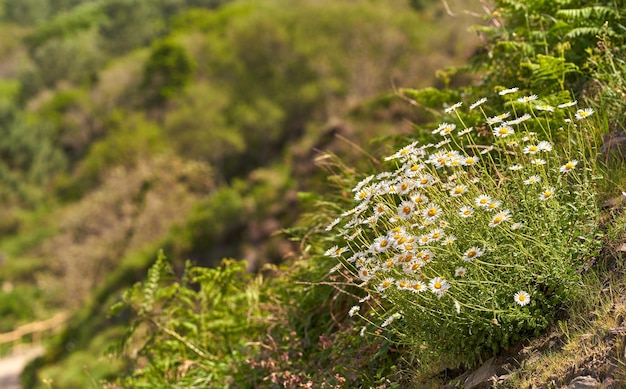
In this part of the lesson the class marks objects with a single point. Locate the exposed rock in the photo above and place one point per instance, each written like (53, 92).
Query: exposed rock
(584, 382)
(614, 146)
(483, 377)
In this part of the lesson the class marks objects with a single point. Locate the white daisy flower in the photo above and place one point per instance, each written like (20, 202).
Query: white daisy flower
(458, 190)
(569, 166)
(439, 286)
(544, 146)
(568, 104)
(532, 180)
(531, 149)
(432, 212)
(478, 103)
(465, 131)
(444, 129)
(527, 99)
(469, 161)
(419, 198)
(353, 311)
(453, 107)
(483, 200)
(500, 217)
(385, 284)
(522, 298)
(335, 251)
(333, 224)
(507, 91)
(547, 194)
(503, 131)
(583, 113)
(388, 321)
(418, 287)
(545, 107)
(472, 253)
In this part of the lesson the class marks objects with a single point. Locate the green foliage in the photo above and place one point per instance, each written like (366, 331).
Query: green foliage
(29, 157)
(73, 58)
(250, 84)
(545, 28)
(129, 24)
(80, 18)
(28, 12)
(129, 139)
(168, 70)
(199, 130)
(192, 330)
(430, 243)
(16, 307)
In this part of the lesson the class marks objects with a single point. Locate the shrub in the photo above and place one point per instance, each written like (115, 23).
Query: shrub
(470, 244)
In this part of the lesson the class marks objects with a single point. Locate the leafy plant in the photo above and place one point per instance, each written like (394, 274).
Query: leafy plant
(190, 331)
(467, 247)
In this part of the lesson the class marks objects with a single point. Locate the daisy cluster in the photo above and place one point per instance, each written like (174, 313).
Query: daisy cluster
(418, 230)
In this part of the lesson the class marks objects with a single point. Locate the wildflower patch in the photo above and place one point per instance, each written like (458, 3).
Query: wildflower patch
(466, 245)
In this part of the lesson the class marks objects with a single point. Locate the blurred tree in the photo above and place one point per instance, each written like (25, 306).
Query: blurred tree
(168, 70)
(26, 12)
(28, 154)
(198, 129)
(130, 24)
(75, 58)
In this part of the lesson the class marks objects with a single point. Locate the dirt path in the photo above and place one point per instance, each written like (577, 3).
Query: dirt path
(11, 366)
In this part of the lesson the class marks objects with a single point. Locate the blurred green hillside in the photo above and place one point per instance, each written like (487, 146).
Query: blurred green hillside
(129, 126)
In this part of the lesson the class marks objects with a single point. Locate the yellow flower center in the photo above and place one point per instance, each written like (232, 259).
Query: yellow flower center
(471, 254)
(432, 212)
(437, 285)
(522, 297)
(497, 219)
(384, 243)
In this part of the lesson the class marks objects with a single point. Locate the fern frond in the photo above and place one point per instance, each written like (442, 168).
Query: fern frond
(587, 31)
(597, 12)
(151, 285)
